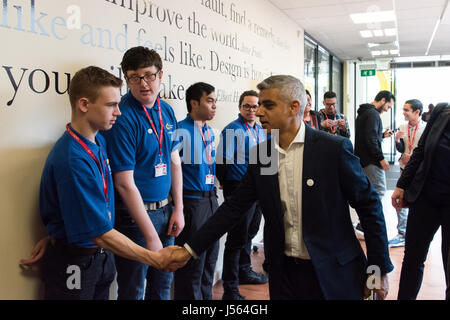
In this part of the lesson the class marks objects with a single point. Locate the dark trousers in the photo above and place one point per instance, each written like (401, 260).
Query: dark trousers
(68, 277)
(195, 280)
(424, 219)
(299, 281)
(236, 258)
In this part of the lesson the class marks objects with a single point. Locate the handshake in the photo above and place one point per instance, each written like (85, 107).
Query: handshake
(170, 259)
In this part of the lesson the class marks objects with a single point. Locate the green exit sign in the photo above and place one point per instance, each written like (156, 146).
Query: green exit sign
(368, 72)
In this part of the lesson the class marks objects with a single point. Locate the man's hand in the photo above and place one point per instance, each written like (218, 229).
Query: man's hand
(37, 253)
(382, 292)
(341, 124)
(385, 165)
(388, 133)
(400, 135)
(327, 123)
(176, 223)
(173, 258)
(398, 202)
(405, 158)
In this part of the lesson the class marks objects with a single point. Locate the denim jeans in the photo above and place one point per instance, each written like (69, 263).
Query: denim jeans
(135, 279)
(377, 178)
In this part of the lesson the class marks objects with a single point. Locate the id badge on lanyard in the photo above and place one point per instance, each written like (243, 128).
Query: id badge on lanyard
(209, 179)
(160, 169)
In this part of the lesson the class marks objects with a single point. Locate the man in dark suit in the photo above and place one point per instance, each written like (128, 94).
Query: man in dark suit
(305, 180)
(425, 187)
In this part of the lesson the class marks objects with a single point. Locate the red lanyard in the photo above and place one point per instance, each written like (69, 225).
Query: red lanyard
(204, 142)
(161, 133)
(333, 128)
(411, 142)
(257, 133)
(89, 151)
(313, 120)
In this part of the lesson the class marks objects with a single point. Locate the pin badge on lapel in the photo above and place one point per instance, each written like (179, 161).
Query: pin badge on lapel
(310, 182)
(150, 131)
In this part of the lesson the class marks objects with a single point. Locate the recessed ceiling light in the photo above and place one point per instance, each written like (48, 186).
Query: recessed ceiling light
(378, 33)
(366, 34)
(371, 17)
(390, 32)
(376, 53)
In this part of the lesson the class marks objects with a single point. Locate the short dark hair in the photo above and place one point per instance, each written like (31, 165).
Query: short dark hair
(140, 57)
(88, 81)
(307, 92)
(249, 93)
(329, 95)
(387, 95)
(195, 92)
(415, 105)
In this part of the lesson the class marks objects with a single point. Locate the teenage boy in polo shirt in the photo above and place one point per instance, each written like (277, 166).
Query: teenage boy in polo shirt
(197, 151)
(145, 169)
(237, 138)
(77, 198)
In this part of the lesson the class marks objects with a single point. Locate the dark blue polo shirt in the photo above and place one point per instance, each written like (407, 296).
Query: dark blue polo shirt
(194, 155)
(132, 145)
(234, 147)
(72, 202)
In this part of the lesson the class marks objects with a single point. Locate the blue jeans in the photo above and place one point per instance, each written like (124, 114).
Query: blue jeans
(377, 178)
(131, 275)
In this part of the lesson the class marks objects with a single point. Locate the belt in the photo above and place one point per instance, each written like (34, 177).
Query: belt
(298, 260)
(203, 194)
(156, 205)
(73, 250)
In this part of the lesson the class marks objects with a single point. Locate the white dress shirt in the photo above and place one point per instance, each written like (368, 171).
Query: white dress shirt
(290, 171)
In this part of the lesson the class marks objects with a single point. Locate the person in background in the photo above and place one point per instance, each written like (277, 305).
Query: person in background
(424, 186)
(369, 137)
(310, 117)
(406, 141)
(237, 138)
(331, 121)
(196, 144)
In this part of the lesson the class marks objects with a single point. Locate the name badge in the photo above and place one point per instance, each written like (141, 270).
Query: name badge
(209, 179)
(160, 170)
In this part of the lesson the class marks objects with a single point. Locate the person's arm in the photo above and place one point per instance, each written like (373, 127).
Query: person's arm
(176, 223)
(364, 199)
(125, 185)
(120, 245)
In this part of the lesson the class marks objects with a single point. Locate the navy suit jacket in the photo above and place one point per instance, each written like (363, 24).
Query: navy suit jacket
(339, 180)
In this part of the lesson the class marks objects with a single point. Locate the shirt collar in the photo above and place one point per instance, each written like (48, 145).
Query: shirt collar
(299, 138)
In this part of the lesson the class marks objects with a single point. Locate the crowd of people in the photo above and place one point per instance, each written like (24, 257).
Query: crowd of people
(129, 190)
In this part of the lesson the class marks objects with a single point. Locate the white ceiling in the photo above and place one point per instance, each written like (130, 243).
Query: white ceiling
(329, 22)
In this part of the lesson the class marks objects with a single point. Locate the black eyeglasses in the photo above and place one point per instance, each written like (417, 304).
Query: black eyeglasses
(247, 107)
(148, 77)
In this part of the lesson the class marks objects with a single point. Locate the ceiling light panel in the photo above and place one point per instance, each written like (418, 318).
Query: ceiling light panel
(366, 34)
(372, 17)
(378, 33)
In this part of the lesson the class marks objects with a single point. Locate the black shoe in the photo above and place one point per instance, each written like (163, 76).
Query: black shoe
(232, 295)
(251, 277)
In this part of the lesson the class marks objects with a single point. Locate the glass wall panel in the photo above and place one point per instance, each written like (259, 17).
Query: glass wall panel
(337, 83)
(310, 69)
(324, 75)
